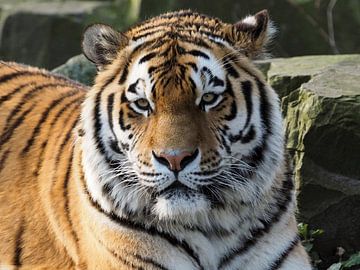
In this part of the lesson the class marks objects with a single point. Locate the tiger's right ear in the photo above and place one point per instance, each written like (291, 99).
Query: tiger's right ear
(101, 44)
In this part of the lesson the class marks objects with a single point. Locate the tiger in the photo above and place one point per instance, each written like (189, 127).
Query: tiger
(173, 160)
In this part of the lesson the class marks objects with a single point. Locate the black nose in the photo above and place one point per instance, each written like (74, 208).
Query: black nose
(177, 162)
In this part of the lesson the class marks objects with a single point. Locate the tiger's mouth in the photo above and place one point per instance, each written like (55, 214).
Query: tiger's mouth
(179, 201)
(175, 187)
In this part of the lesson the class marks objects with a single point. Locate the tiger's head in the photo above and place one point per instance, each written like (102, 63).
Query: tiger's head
(179, 123)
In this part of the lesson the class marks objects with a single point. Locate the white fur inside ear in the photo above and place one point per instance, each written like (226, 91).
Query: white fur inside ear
(180, 206)
(249, 20)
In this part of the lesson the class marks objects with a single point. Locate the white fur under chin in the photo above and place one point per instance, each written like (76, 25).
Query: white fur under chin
(180, 206)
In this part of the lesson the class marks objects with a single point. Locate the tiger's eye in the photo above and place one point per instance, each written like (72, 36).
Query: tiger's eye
(209, 98)
(142, 103)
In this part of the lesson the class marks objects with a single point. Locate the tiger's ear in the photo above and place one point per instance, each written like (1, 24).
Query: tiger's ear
(252, 33)
(101, 43)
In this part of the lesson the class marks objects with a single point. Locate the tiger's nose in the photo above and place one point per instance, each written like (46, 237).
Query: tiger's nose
(176, 162)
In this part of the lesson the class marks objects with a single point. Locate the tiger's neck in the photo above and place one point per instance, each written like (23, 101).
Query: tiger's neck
(118, 238)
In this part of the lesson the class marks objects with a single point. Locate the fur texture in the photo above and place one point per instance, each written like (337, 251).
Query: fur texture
(83, 179)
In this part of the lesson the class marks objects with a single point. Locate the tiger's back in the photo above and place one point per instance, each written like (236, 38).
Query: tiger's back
(38, 113)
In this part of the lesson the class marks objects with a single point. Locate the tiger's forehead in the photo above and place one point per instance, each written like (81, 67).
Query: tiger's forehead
(176, 67)
(186, 23)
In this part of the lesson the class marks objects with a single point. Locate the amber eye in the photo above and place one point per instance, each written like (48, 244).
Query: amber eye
(142, 104)
(209, 98)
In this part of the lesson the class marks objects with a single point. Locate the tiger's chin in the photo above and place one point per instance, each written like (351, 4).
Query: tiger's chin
(182, 205)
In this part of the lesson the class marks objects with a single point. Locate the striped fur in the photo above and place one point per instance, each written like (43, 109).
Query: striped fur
(80, 187)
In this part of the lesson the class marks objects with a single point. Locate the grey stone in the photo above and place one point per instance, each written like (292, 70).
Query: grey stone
(321, 105)
(78, 68)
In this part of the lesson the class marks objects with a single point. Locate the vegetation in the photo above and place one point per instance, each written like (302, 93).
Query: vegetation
(308, 236)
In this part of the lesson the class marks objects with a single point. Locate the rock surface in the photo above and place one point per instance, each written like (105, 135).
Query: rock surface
(78, 68)
(321, 105)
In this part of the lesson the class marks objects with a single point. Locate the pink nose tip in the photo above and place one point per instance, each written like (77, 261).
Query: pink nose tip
(176, 162)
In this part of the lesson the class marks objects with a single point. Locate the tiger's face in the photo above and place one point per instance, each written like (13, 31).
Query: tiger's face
(176, 118)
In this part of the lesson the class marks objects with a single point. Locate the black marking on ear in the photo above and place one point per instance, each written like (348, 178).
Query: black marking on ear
(246, 87)
(147, 57)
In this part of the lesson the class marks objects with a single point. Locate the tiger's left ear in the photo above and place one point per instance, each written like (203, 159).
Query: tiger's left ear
(101, 44)
(251, 34)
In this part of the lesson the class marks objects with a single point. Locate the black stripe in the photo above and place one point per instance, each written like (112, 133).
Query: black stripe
(18, 245)
(198, 53)
(249, 136)
(121, 121)
(13, 92)
(110, 105)
(132, 87)
(28, 96)
(246, 87)
(151, 262)
(192, 65)
(3, 159)
(283, 200)
(149, 33)
(147, 57)
(123, 260)
(233, 112)
(123, 74)
(8, 77)
(66, 195)
(6, 135)
(257, 155)
(42, 121)
(229, 67)
(97, 124)
(57, 116)
(278, 263)
(139, 227)
(65, 141)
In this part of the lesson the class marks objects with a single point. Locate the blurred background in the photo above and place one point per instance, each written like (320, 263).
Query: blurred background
(320, 95)
(46, 33)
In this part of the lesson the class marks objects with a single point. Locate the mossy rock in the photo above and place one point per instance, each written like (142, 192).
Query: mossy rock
(78, 68)
(321, 105)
